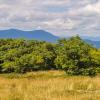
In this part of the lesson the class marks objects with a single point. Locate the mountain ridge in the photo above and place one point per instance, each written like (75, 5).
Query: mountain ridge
(36, 34)
(41, 35)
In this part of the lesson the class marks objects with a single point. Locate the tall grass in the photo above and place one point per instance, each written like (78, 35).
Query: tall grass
(51, 85)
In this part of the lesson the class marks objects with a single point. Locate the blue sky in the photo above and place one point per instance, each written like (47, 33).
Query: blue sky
(60, 17)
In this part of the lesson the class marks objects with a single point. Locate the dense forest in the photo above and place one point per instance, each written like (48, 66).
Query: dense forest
(73, 55)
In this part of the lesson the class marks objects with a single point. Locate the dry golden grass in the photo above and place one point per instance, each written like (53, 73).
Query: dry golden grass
(51, 85)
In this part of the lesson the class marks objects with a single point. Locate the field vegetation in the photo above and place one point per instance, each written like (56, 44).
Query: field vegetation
(38, 70)
(48, 85)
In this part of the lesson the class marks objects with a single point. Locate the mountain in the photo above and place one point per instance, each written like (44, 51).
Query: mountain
(37, 34)
(95, 38)
(94, 43)
(42, 35)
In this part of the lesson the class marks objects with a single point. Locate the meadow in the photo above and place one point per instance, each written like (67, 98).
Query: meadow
(48, 85)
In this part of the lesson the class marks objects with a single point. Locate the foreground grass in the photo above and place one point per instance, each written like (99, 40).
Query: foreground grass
(50, 85)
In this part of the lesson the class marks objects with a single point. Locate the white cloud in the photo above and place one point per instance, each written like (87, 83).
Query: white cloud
(62, 17)
(86, 10)
(64, 24)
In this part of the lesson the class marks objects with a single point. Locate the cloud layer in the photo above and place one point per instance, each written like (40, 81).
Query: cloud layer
(61, 17)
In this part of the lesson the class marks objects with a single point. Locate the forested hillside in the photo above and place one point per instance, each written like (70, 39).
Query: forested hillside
(73, 55)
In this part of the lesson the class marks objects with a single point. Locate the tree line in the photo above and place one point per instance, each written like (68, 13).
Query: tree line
(73, 55)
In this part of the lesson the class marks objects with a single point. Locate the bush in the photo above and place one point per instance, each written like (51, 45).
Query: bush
(73, 55)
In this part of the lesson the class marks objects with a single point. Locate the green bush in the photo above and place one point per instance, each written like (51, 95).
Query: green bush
(73, 55)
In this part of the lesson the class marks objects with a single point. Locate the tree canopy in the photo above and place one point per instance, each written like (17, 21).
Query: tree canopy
(73, 55)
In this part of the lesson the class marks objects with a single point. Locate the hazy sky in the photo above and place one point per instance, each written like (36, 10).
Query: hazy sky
(61, 17)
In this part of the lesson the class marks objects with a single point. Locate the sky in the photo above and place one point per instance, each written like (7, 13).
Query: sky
(60, 17)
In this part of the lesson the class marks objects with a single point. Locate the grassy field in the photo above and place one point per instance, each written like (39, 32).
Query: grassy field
(50, 85)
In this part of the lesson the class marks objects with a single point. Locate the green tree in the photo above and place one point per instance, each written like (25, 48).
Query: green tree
(73, 56)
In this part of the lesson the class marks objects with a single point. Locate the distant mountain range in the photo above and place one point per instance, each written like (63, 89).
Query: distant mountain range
(36, 34)
(41, 35)
(94, 43)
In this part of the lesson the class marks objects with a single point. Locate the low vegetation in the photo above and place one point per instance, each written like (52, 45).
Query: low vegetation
(73, 55)
(48, 85)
